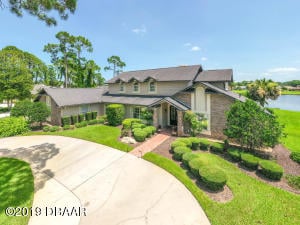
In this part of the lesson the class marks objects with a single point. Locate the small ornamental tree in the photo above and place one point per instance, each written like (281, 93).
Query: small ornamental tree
(252, 126)
(21, 108)
(39, 112)
(195, 120)
(115, 114)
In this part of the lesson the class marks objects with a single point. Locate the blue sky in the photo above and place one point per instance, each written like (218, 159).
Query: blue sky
(255, 38)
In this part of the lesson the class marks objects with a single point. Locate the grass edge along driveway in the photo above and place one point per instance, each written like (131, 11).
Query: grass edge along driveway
(16, 189)
(101, 134)
(254, 202)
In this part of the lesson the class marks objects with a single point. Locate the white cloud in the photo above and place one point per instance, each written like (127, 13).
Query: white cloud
(142, 30)
(195, 49)
(187, 44)
(203, 59)
(283, 70)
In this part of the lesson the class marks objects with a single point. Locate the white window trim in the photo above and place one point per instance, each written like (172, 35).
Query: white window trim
(155, 85)
(133, 108)
(135, 82)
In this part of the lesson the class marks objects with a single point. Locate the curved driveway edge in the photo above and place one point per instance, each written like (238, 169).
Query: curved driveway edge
(113, 187)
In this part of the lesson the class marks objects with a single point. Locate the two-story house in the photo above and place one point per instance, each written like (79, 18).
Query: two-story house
(168, 91)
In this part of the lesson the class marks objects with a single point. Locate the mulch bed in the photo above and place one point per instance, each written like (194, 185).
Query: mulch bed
(280, 153)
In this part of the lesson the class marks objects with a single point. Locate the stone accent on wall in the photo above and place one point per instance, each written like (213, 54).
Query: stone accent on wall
(219, 105)
(155, 117)
(184, 97)
(180, 131)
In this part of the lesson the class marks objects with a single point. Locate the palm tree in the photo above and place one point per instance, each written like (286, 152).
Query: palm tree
(262, 90)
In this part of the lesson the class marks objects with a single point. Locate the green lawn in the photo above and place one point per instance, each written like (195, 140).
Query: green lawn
(16, 189)
(291, 120)
(100, 134)
(254, 201)
(290, 92)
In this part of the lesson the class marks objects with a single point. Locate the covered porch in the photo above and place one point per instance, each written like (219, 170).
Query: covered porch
(169, 113)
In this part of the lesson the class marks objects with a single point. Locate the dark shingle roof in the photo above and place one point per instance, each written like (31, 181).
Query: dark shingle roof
(75, 96)
(130, 99)
(227, 93)
(180, 73)
(215, 75)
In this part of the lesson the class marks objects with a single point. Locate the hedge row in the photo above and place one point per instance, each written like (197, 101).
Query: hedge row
(140, 134)
(71, 120)
(128, 122)
(270, 169)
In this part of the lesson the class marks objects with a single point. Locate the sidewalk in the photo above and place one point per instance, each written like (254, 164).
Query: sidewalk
(149, 145)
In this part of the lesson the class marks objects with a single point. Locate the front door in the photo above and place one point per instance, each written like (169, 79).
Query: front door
(173, 116)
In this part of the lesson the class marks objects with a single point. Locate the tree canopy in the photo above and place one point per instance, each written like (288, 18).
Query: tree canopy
(68, 57)
(42, 8)
(252, 126)
(115, 64)
(262, 90)
(15, 75)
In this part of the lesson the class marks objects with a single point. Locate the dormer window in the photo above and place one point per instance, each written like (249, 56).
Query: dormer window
(152, 86)
(136, 86)
(122, 87)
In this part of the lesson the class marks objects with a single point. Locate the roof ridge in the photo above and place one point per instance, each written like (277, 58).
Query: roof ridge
(161, 68)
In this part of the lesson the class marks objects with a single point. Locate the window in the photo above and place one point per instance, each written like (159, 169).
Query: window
(122, 87)
(136, 87)
(152, 86)
(137, 112)
(84, 108)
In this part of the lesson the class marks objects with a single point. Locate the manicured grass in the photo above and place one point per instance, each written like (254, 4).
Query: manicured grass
(290, 92)
(254, 201)
(100, 134)
(291, 120)
(16, 189)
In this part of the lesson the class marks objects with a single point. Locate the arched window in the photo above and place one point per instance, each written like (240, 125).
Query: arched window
(136, 86)
(152, 86)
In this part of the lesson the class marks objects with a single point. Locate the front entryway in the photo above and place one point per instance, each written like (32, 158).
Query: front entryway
(173, 116)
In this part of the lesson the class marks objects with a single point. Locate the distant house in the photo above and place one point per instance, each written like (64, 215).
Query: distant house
(168, 91)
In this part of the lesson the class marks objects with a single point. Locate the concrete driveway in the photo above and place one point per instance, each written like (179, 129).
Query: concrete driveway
(110, 186)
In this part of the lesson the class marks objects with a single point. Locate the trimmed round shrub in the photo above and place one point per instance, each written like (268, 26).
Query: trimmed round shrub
(46, 128)
(188, 156)
(100, 121)
(270, 169)
(115, 114)
(176, 144)
(140, 135)
(138, 125)
(179, 151)
(250, 161)
(78, 125)
(92, 122)
(234, 154)
(11, 126)
(136, 129)
(94, 115)
(129, 121)
(187, 141)
(89, 116)
(66, 120)
(54, 128)
(295, 156)
(148, 130)
(74, 119)
(212, 177)
(217, 147)
(81, 117)
(153, 128)
(84, 123)
(195, 165)
(67, 127)
(204, 144)
(195, 143)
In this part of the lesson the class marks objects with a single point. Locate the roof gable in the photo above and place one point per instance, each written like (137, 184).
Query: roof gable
(75, 96)
(180, 73)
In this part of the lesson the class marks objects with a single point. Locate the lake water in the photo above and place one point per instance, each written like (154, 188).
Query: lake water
(288, 102)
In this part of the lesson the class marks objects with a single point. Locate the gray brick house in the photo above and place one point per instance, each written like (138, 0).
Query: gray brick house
(168, 91)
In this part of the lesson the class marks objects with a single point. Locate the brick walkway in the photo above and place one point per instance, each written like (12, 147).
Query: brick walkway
(149, 145)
